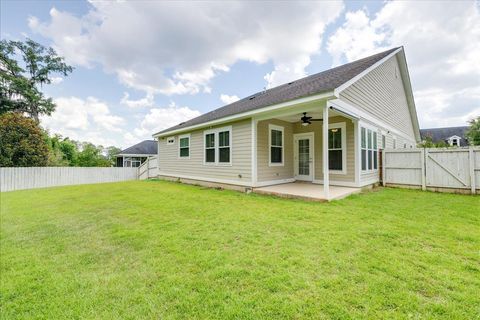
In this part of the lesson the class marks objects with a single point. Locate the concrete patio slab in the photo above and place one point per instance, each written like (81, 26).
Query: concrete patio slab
(307, 191)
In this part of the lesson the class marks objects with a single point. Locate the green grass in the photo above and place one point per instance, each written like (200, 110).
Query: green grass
(164, 250)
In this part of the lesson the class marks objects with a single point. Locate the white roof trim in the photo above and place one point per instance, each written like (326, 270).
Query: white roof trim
(406, 84)
(247, 114)
(136, 154)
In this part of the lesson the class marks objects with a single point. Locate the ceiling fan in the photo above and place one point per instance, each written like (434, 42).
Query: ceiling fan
(307, 120)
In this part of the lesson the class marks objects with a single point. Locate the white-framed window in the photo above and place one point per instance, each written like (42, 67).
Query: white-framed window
(184, 146)
(369, 149)
(170, 140)
(276, 143)
(133, 162)
(218, 146)
(337, 148)
(224, 146)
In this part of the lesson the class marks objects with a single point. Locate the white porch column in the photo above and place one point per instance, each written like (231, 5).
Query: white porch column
(326, 186)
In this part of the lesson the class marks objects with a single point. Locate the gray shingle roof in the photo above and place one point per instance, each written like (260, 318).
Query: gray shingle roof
(442, 134)
(317, 83)
(144, 147)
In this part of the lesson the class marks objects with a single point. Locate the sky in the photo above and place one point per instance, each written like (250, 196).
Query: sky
(143, 66)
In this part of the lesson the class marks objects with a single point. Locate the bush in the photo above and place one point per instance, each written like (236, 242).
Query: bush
(22, 142)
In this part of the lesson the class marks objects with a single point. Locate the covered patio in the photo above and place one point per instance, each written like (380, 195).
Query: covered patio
(307, 191)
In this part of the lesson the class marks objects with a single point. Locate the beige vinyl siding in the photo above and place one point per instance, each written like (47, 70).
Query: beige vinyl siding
(381, 93)
(316, 128)
(170, 163)
(270, 173)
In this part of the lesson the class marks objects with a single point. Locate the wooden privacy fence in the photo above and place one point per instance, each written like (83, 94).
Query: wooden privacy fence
(42, 177)
(455, 170)
(148, 169)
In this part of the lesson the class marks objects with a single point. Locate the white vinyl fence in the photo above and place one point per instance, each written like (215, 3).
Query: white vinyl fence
(148, 169)
(41, 177)
(455, 169)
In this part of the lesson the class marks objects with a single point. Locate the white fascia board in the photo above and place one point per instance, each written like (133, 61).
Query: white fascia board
(407, 85)
(248, 114)
(366, 117)
(136, 155)
(347, 84)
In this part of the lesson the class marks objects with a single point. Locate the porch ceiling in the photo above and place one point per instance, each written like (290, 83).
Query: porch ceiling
(314, 114)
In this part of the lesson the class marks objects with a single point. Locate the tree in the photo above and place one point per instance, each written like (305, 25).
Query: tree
(62, 151)
(426, 143)
(112, 154)
(473, 133)
(19, 86)
(22, 142)
(91, 156)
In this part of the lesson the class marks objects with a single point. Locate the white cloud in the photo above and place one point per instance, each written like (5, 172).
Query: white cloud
(84, 120)
(150, 47)
(225, 98)
(158, 119)
(56, 80)
(442, 44)
(144, 102)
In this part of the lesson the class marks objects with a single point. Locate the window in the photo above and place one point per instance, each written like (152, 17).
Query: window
(369, 144)
(134, 162)
(224, 146)
(218, 146)
(170, 140)
(369, 149)
(335, 149)
(455, 142)
(276, 145)
(184, 146)
(210, 148)
(375, 151)
(384, 141)
(364, 149)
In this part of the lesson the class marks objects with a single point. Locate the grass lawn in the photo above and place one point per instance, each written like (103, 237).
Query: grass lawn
(153, 249)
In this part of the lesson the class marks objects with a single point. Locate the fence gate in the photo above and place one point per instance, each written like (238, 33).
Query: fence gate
(148, 169)
(447, 169)
(454, 169)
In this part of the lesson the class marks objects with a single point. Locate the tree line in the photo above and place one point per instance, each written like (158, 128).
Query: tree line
(25, 67)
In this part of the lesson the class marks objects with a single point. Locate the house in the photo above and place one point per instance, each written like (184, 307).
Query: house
(135, 155)
(452, 136)
(325, 129)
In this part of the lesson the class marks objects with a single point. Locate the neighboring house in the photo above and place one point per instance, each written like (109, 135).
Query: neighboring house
(135, 155)
(453, 136)
(326, 128)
